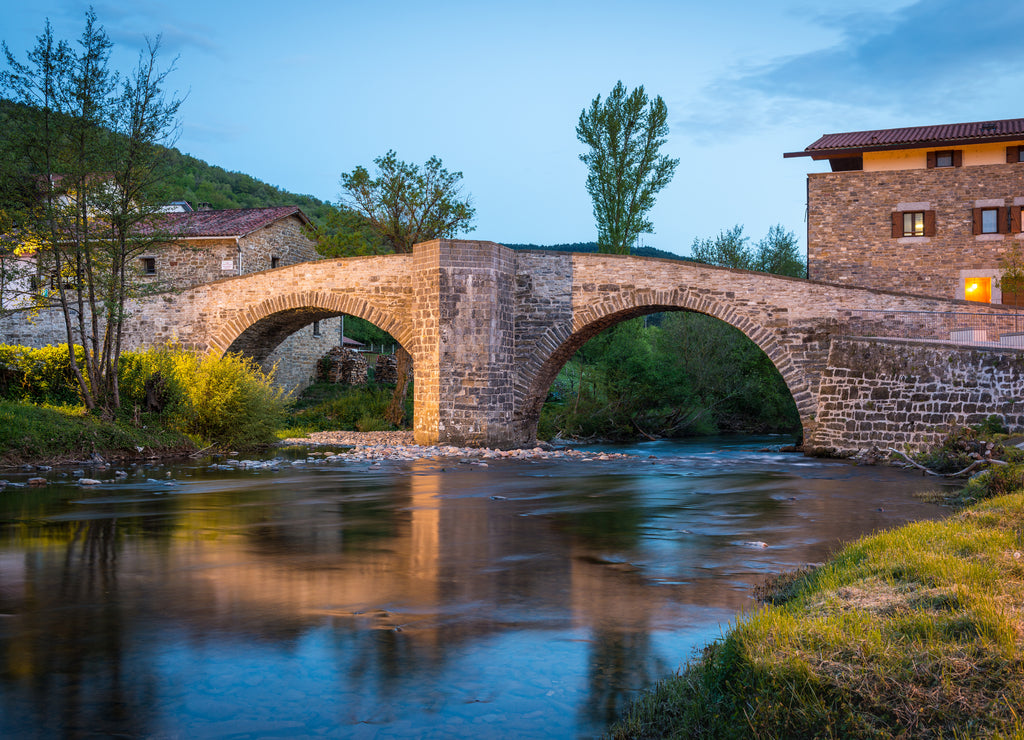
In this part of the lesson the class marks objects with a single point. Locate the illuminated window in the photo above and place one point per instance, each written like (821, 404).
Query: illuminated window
(913, 223)
(978, 289)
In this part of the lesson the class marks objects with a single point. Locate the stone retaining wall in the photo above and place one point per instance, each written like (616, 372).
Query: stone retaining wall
(898, 393)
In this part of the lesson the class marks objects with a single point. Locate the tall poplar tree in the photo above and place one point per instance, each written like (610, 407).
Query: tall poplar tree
(625, 134)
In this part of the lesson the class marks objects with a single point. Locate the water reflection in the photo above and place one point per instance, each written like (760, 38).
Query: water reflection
(417, 600)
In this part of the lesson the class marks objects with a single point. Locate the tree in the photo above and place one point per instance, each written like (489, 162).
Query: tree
(778, 254)
(405, 204)
(90, 150)
(625, 170)
(728, 249)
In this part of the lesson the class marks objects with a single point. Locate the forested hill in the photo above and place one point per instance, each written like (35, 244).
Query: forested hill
(196, 181)
(591, 248)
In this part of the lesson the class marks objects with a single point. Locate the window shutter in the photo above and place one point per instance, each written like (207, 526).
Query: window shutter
(976, 221)
(1015, 219)
(1012, 154)
(958, 157)
(897, 224)
(1002, 222)
(931, 160)
(929, 223)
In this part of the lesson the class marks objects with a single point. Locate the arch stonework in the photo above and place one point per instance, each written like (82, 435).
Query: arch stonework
(489, 328)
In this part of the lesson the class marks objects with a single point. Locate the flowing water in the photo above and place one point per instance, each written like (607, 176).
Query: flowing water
(435, 599)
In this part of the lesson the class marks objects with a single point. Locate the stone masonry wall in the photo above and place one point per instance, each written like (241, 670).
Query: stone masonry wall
(192, 262)
(464, 307)
(849, 232)
(891, 393)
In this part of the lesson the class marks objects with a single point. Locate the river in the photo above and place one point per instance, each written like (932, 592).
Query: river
(439, 598)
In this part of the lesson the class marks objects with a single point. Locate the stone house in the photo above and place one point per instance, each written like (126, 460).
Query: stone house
(931, 210)
(213, 244)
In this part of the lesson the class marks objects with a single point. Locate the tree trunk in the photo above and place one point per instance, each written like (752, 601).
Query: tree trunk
(396, 409)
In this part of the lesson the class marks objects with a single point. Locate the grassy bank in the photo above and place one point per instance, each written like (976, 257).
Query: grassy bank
(917, 632)
(30, 433)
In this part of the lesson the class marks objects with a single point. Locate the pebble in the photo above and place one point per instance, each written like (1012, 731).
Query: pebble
(399, 446)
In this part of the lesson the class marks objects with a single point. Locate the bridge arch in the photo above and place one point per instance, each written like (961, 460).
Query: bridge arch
(257, 330)
(589, 320)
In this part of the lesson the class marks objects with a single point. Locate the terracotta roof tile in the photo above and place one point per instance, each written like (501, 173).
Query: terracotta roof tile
(226, 222)
(915, 137)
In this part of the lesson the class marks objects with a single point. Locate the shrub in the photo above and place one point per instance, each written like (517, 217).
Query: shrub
(998, 480)
(228, 400)
(38, 375)
(225, 400)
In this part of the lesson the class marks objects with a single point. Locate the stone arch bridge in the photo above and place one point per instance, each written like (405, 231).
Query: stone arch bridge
(489, 328)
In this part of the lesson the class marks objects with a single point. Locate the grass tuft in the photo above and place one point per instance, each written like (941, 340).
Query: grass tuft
(915, 632)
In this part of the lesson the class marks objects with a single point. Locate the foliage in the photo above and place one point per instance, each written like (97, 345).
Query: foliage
(675, 374)
(31, 432)
(1012, 278)
(776, 253)
(903, 634)
(728, 249)
(41, 376)
(328, 406)
(405, 204)
(345, 233)
(593, 247)
(963, 446)
(228, 400)
(625, 170)
(87, 144)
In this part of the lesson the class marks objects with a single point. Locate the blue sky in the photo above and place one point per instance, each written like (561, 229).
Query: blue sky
(297, 93)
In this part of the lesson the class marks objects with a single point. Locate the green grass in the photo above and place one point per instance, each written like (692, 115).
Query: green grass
(328, 407)
(52, 433)
(917, 632)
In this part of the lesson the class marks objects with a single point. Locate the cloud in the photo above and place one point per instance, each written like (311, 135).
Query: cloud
(920, 53)
(933, 61)
(128, 23)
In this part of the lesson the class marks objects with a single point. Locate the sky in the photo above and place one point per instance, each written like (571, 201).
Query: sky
(297, 93)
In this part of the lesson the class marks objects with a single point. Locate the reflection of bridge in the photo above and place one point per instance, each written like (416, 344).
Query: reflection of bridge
(489, 328)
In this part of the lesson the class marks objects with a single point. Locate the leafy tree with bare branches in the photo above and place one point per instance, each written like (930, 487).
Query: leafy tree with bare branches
(89, 147)
(405, 204)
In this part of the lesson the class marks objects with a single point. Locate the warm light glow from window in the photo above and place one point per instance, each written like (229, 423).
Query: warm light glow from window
(978, 289)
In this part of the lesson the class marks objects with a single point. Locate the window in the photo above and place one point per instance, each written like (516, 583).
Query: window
(274, 262)
(913, 223)
(947, 158)
(991, 220)
(978, 289)
(1014, 154)
(316, 328)
(148, 265)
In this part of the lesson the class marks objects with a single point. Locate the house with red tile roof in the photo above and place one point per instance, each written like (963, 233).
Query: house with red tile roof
(932, 210)
(208, 245)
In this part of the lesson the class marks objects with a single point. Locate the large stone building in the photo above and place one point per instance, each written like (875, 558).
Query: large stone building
(931, 210)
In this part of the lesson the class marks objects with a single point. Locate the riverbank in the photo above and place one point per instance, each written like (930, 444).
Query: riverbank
(31, 434)
(917, 632)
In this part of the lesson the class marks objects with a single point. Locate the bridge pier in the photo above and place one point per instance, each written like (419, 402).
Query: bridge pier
(463, 307)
